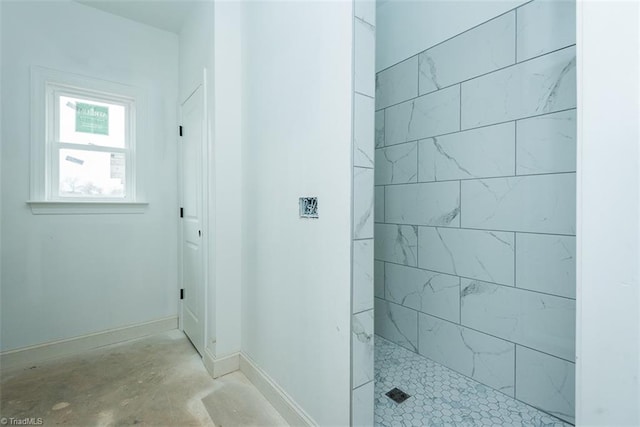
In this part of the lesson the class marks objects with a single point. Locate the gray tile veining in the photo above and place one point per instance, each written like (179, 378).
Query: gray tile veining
(479, 356)
(433, 203)
(396, 243)
(433, 114)
(362, 348)
(544, 322)
(363, 131)
(397, 164)
(485, 255)
(542, 85)
(546, 382)
(483, 49)
(397, 84)
(547, 144)
(536, 203)
(363, 201)
(396, 323)
(477, 153)
(426, 291)
(362, 275)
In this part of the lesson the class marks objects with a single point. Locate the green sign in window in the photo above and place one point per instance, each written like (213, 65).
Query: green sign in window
(92, 119)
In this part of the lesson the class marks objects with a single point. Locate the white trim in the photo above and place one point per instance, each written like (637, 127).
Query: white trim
(284, 404)
(223, 366)
(73, 207)
(39, 353)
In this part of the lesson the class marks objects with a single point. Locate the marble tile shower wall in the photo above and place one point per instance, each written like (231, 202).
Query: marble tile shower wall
(362, 339)
(475, 192)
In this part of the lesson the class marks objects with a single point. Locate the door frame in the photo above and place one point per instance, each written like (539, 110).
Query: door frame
(204, 190)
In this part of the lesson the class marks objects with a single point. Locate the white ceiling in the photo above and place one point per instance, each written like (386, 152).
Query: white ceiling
(167, 15)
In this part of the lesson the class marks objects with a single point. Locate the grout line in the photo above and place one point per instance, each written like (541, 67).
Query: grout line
(460, 204)
(515, 369)
(362, 311)
(459, 301)
(515, 53)
(480, 127)
(515, 257)
(477, 280)
(456, 35)
(364, 94)
(495, 230)
(478, 331)
(460, 111)
(483, 75)
(488, 178)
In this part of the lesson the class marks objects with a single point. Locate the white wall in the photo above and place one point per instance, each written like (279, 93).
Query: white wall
(297, 132)
(68, 275)
(608, 333)
(407, 27)
(211, 39)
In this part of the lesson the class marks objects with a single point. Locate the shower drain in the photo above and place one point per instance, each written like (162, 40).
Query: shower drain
(397, 395)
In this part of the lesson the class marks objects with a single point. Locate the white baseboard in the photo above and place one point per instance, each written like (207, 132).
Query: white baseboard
(222, 366)
(280, 400)
(38, 353)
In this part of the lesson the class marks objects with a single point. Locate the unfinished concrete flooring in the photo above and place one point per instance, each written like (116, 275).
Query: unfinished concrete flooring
(154, 381)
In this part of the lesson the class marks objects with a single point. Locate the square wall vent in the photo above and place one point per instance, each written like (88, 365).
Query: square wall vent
(308, 207)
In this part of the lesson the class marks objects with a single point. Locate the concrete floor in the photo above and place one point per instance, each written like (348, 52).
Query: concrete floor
(153, 381)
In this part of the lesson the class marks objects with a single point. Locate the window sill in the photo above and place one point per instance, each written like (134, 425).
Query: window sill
(39, 207)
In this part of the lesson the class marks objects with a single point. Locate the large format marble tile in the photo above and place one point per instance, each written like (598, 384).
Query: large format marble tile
(477, 153)
(362, 275)
(364, 61)
(535, 203)
(397, 83)
(545, 26)
(543, 322)
(378, 278)
(434, 114)
(426, 291)
(485, 255)
(397, 164)
(547, 144)
(546, 263)
(379, 204)
(397, 324)
(363, 199)
(362, 405)
(365, 10)
(434, 203)
(546, 382)
(362, 348)
(482, 357)
(379, 117)
(483, 49)
(363, 131)
(397, 243)
(542, 85)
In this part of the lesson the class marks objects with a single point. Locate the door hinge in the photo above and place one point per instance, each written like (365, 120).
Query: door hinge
(181, 293)
(180, 130)
(181, 212)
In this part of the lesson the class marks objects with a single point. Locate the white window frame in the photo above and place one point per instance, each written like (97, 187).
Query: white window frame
(46, 86)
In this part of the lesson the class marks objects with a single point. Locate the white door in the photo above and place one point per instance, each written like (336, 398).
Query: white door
(192, 143)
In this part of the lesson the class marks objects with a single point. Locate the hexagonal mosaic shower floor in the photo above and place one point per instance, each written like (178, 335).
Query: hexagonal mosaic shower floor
(442, 397)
